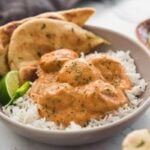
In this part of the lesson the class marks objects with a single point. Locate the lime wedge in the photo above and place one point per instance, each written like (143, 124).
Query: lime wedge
(8, 86)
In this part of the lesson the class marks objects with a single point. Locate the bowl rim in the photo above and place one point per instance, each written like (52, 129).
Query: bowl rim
(143, 107)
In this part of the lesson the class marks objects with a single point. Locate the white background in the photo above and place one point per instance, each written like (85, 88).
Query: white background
(119, 15)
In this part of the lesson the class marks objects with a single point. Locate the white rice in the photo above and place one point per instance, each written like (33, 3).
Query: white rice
(25, 110)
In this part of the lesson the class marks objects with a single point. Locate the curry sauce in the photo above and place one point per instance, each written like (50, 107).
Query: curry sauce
(70, 88)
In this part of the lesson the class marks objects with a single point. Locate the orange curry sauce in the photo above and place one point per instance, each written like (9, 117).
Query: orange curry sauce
(70, 88)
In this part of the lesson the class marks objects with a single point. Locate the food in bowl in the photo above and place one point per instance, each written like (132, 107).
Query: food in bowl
(72, 87)
(68, 101)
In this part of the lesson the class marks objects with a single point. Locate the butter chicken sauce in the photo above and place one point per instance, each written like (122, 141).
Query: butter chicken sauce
(70, 88)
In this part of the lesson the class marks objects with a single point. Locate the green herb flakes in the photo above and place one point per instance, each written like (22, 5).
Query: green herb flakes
(43, 26)
(140, 144)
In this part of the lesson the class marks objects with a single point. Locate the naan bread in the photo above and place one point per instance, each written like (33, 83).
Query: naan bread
(137, 140)
(78, 16)
(36, 37)
(3, 61)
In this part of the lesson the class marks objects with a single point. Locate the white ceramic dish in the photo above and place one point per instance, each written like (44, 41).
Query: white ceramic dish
(142, 59)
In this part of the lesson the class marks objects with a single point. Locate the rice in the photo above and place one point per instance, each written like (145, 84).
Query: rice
(25, 110)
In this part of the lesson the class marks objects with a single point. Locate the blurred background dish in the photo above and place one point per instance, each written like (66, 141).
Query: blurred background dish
(138, 139)
(143, 32)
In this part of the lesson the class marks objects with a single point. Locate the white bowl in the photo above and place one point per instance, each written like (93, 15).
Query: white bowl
(142, 59)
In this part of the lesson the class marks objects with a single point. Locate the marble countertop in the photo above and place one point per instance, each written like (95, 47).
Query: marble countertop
(119, 15)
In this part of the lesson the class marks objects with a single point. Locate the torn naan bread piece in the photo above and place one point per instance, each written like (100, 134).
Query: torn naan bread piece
(78, 16)
(36, 37)
(28, 72)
